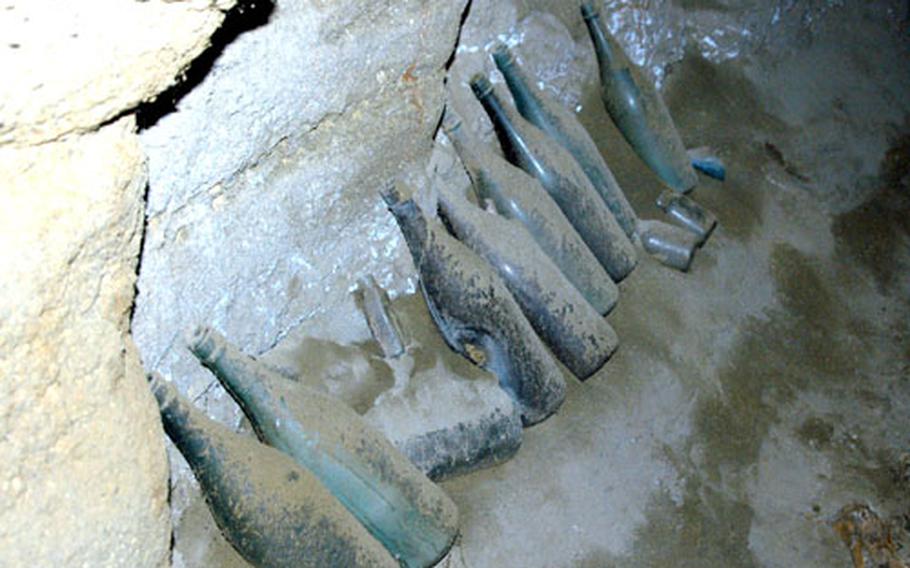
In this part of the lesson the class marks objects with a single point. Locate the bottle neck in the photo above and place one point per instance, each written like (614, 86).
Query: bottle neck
(413, 226)
(473, 164)
(240, 374)
(183, 423)
(455, 212)
(521, 89)
(503, 119)
(462, 145)
(602, 45)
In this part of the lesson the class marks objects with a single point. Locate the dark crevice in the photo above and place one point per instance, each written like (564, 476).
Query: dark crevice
(142, 235)
(461, 21)
(448, 64)
(246, 15)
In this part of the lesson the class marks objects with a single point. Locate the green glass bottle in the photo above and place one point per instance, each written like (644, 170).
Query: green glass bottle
(271, 510)
(638, 110)
(518, 196)
(562, 125)
(568, 324)
(413, 518)
(561, 176)
(475, 312)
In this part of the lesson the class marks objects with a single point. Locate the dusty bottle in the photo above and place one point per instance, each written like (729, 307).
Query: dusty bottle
(689, 214)
(518, 196)
(568, 324)
(409, 515)
(562, 126)
(638, 110)
(274, 512)
(561, 176)
(475, 313)
(374, 303)
(671, 246)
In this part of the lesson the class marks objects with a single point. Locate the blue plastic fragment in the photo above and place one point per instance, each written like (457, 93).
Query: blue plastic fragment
(705, 161)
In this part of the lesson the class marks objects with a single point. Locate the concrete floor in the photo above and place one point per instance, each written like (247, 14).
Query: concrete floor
(756, 396)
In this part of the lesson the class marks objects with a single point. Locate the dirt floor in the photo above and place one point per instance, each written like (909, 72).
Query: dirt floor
(756, 396)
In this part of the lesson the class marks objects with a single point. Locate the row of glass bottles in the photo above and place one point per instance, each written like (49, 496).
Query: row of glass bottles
(324, 488)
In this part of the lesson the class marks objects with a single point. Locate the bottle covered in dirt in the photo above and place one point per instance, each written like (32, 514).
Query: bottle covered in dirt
(272, 511)
(408, 514)
(475, 313)
(561, 176)
(374, 303)
(638, 110)
(688, 214)
(563, 127)
(518, 196)
(568, 324)
(668, 244)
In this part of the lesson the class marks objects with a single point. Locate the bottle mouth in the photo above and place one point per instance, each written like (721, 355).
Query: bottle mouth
(502, 55)
(163, 391)
(395, 193)
(481, 85)
(201, 342)
(588, 11)
(665, 199)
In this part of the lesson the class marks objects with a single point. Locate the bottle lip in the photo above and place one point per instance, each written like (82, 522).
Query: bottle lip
(163, 391)
(397, 193)
(481, 85)
(502, 55)
(665, 198)
(390, 194)
(201, 341)
(588, 11)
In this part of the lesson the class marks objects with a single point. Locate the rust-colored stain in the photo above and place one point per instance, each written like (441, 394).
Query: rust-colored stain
(868, 537)
(409, 78)
(408, 75)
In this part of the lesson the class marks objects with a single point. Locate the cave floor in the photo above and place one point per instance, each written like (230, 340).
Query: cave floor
(756, 396)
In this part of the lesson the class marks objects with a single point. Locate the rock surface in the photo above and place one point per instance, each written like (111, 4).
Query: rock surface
(83, 479)
(100, 70)
(83, 472)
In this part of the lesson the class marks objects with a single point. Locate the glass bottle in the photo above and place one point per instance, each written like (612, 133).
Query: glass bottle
(271, 510)
(689, 214)
(563, 127)
(518, 196)
(561, 176)
(568, 324)
(638, 110)
(413, 518)
(475, 312)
